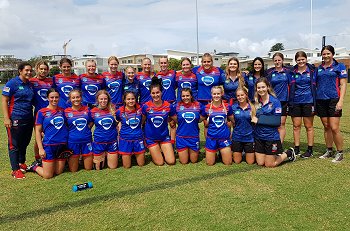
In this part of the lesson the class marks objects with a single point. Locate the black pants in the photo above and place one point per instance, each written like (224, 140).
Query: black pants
(19, 136)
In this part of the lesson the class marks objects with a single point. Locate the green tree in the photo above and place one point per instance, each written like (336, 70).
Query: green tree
(174, 64)
(34, 60)
(54, 71)
(223, 66)
(277, 47)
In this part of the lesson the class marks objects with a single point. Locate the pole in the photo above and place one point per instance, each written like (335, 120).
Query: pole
(311, 48)
(197, 32)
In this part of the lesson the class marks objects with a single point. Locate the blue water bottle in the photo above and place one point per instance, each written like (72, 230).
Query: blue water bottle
(80, 187)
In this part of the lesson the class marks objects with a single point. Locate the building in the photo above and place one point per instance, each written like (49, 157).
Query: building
(54, 60)
(8, 67)
(176, 54)
(79, 64)
(135, 61)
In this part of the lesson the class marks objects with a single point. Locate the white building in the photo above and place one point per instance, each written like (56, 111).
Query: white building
(80, 68)
(176, 54)
(54, 60)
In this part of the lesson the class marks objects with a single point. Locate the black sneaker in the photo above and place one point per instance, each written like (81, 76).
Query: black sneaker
(291, 154)
(307, 154)
(36, 163)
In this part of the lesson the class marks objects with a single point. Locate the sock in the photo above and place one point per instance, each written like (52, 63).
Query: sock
(340, 151)
(330, 149)
(309, 148)
(297, 149)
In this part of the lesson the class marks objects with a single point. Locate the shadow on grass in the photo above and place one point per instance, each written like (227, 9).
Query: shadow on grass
(124, 193)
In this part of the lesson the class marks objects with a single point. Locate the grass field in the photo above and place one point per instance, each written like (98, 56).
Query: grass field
(310, 194)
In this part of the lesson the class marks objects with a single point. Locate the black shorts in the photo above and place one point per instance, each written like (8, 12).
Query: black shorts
(273, 147)
(301, 110)
(284, 105)
(248, 147)
(326, 108)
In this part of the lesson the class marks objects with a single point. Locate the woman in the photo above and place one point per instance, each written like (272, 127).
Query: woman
(186, 79)
(187, 133)
(105, 133)
(145, 78)
(331, 80)
(50, 121)
(243, 131)
(279, 77)
(218, 137)
(79, 126)
(65, 82)
(268, 146)
(131, 83)
(155, 115)
(302, 102)
(258, 68)
(91, 83)
(113, 81)
(234, 79)
(18, 117)
(131, 140)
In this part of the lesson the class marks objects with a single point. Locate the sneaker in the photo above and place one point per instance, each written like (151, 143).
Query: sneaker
(307, 154)
(338, 157)
(18, 174)
(291, 154)
(327, 154)
(31, 167)
(23, 168)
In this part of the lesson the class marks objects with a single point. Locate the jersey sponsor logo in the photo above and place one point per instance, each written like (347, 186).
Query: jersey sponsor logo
(218, 120)
(43, 94)
(91, 89)
(80, 123)
(343, 72)
(207, 80)
(114, 86)
(237, 112)
(157, 121)
(147, 83)
(166, 83)
(6, 89)
(106, 123)
(21, 88)
(186, 85)
(57, 122)
(133, 122)
(35, 84)
(278, 110)
(188, 116)
(66, 90)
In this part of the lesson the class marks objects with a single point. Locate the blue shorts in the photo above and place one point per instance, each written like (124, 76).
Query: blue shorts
(110, 147)
(84, 149)
(51, 152)
(129, 147)
(151, 143)
(182, 143)
(212, 145)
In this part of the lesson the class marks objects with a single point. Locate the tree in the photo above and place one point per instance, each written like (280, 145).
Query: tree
(277, 47)
(34, 60)
(54, 71)
(223, 66)
(174, 64)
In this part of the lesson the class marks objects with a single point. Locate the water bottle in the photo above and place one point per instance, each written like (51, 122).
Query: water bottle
(80, 187)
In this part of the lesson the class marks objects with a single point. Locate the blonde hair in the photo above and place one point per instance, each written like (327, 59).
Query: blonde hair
(270, 90)
(74, 90)
(245, 91)
(222, 102)
(207, 55)
(109, 104)
(241, 81)
(113, 58)
(90, 61)
(37, 65)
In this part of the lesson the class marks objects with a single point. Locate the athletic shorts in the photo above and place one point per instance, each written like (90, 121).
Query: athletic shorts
(84, 149)
(182, 143)
(268, 147)
(213, 145)
(284, 105)
(301, 110)
(247, 147)
(129, 147)
(52, 152)
(110, 147)
(151, 143)
(326, 108)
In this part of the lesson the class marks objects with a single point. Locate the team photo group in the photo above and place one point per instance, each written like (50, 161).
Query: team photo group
(95, 119)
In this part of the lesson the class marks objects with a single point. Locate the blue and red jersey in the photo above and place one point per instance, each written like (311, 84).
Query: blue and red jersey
(217, 118)
(105, 125)
(328, 80)
(230, 87)
(130, 123)
(40, 88)
(302, 86)
(114, 86)
(168, 83)
(90, 86)
(243, 130)
(156, 127)
(206, 80)
(78, 124)
(64, 85)
(20, 99)
(186, 81)
(188, 116)
(144, 81)
(280, 82)
(53, 124)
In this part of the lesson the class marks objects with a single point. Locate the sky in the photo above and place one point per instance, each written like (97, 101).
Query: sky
(123, 27)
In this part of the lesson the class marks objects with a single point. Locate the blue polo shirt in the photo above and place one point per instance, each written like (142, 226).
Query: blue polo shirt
(303, 83)
(279, 82)
(243, 130)
(131, 86)
(230, 87)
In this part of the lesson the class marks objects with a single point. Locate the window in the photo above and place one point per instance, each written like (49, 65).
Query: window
(129, 61)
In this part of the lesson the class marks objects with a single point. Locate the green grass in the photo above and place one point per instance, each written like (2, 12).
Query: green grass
(309, 194)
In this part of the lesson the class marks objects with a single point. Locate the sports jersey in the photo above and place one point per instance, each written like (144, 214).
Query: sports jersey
(272, 108)
(156, 127)
(131, 86)
(188, 116)
(243, 130)
(114, 86)
(78, 124)
(217, 118)
(206, 80)
(168, 83)
(279, 82)
(250, 82)
(53, 124)
(328, 80)
(105, 126)
(302, 86)
(188, 80)
(230, 87)
(131, 123)
(90, 86)
(20, 99)
(64, 85)
(40, 88)
(144, 83)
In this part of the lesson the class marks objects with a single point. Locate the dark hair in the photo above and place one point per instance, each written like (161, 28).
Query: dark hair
(278, 54)
(156, 83)
(328, 47)
(185, 58)
(75, 90)
(51, 90)
(262, 71)
(187, 89)
(22, 65)
(300, 54)
(65, 60)
(129, 92)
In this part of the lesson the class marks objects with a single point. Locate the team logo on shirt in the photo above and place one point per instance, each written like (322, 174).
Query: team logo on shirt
(147, 83)
(80, 123)
(57, 122)
(207, 80)
(84, 79)
(218, 120)
(166, 83)
(114, 86)
(43, 94)
(35, 84)
(60, 80)
(70, 114)
(188, 116)
(6, 89)
(133, 122)
(66, 90)
(106, 123)
(186, 85)
(91, 89)
(157, 121)
(237, 112)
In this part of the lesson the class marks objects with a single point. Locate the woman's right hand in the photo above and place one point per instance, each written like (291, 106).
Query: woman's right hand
(254, 119)
(7, 122)
(42, 153)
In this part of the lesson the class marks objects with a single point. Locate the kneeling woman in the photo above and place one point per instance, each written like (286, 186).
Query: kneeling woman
(131, 139)
(268, 147)
(218, 137)
(51, 122)
(156, 113)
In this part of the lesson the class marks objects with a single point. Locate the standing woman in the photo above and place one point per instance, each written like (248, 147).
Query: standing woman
(79, 126)
(186, 79)
(65, 82)
(331, 78)
(18, 117)
(145, 78)
(105, 133)
(156, 113)
(258, 68)
(302, 102)
(279, 77)
(217, 112)
(131, 83)
(131, 140)
(234, 79)
(243, 131)
(268, 146)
